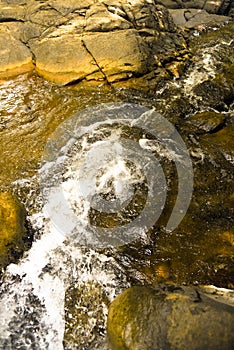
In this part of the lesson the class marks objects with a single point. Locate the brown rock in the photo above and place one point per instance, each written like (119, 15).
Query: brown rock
(15, 57)
(142, 318)
(100, 19)
(106, 40)
(14, 12)
(193, 18)
(97, 56)
(211, 6)
(12, 220)
(207, 122)
(63, 59)
(118, 54)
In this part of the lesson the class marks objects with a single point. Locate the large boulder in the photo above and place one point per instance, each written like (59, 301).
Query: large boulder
(107, 40)
(143, 318)
(91, 56)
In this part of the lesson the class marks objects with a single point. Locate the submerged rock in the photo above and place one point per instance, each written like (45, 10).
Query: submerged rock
(12, 228)
(84, 319)
(207, 122)
(143, 318)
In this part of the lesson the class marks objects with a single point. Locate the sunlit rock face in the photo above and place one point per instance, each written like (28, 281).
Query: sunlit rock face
(106, 40)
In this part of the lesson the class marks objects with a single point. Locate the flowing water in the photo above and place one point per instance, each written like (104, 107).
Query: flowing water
(69, 272)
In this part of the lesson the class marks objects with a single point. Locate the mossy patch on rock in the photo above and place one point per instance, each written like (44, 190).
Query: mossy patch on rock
(12, 227)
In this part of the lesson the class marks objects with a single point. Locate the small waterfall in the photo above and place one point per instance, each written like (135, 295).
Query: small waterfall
(102, 186)
(33, 292)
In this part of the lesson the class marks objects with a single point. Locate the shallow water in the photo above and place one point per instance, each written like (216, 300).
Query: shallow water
(37, 308)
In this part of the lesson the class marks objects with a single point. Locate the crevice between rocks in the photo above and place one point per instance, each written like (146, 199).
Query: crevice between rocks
(10, 19)
(100, 69)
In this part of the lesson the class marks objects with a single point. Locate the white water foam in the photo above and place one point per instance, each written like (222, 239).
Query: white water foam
(31, 278)
(205, 68)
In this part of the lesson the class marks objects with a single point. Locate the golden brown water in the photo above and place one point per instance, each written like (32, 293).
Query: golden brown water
(30, 110)
(200, 250)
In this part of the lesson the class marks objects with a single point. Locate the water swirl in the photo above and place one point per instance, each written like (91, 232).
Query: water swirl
(102, 179)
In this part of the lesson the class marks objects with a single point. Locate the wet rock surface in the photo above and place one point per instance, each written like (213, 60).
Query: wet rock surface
(12, 228)
(16, 58)
(169, 318)
(207, 122)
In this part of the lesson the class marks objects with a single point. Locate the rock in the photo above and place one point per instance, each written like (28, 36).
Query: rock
(108, 40)
(127, 57)
(22, 31)
(192, 18)
(100, 18)
(15, 57)
(142, 318)
(90, 56)
(52, 53)
(221, 140)
(212, 58)
(12, 221)
(231, 10)
(207, 122)
(106, 46)
(12, 12)
(217, 92)
(87, 41)
(211, 6)
(171, 4)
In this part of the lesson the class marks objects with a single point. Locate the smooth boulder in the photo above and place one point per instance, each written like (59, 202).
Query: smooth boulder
(144, 318)
(12, 228)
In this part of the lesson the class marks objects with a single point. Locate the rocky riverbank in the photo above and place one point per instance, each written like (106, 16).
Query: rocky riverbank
(100, 40)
